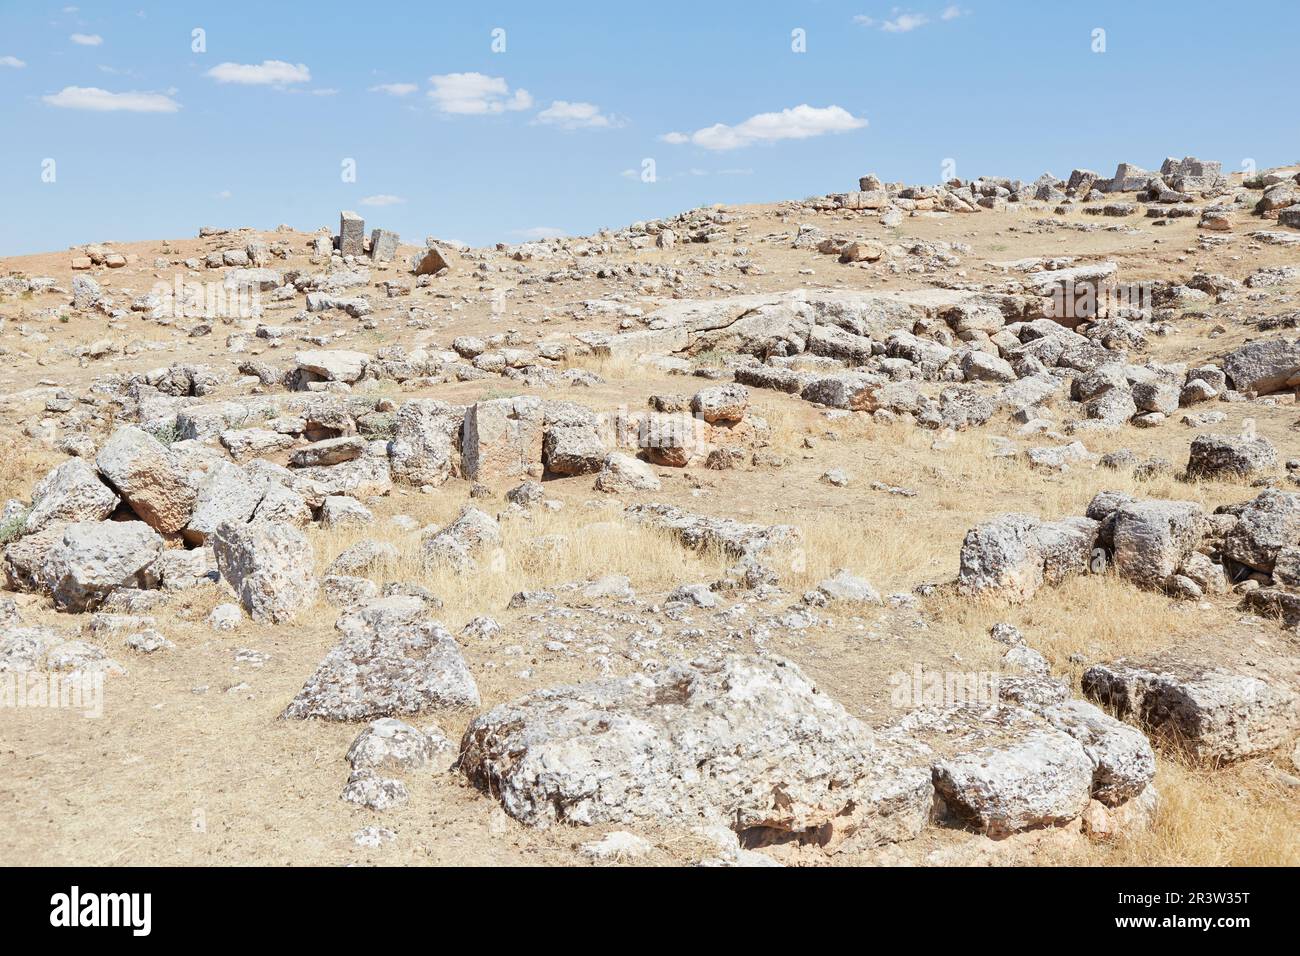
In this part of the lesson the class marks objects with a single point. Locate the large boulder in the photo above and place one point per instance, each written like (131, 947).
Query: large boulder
(502, 438)
(698, 532)
(391, 661)
(71, 492)
(1215, 713)
(1040, 779)
(1229, 456)
(621, 472)
(1265, 525)
(1268, 365)
(425, 449)
(90, 560)
(573, 450)
(459, 543)
(270, 566)
(1002, 557)
(1152, 539)
(748, 743)
(333, 365)
(149, 478)
(227, 493)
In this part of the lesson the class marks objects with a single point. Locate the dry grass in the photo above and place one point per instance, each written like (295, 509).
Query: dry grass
(1226, 816)
(546, 549)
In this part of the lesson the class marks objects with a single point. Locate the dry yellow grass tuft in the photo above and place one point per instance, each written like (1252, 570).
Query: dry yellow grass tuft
(545, 549)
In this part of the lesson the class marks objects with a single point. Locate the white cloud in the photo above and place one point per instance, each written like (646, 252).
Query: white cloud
(476, 94)
(905, 23)
(801, 122)
(395, 89)
(266, 73)
(675, 138)
(325, 91)
(383, 199)
(540, 232)
(12, 61)
(864, 21)
(86, 39)
(951, 13)
(224, 194)
(93, 98)
(568, 115)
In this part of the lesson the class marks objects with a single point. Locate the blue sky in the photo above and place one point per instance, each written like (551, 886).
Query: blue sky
(150, 139)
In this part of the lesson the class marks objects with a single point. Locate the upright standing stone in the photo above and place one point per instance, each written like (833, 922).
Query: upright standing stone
(352, 234)
(383, 245)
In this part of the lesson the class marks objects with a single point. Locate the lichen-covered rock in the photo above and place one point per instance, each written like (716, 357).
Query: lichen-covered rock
(573, 450)
(1230, 456)
(458, 544)
(92, 559)
(148, 477)
(620, 472)
(425, 449)
(502, 438)
(1215, 713)
(1152, 539)
(392, 660)
(1121, 755)
(393, 746)
(71, 492)
(1040, 779)
(270, 566)
(748, 743)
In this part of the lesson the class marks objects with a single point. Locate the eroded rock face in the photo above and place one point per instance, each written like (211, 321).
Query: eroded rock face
(620, 472)
(1268, 365)
(92, 559)
(71, 492)
(391, 661)
(1153, 538)
(425, 449)
(1215, 713)
(1042, 779)
(1003, 556)
(1229, 456)
(748, 743)
(697, 532)
(1265, 525)
(270, 566)
(502, 438)
(148, 477)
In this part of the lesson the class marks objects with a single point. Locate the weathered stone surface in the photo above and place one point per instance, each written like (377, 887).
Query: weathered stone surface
(1230, 456)
(71, 492)
(270, 566)
(352, 234)
(92, 559)
(1268, 365)
(1265, 525)
(1215, 713)
(1041, 779)
(502, 438)
(391, 661)
(225, 494)
(1002, 557)
(425, 449)
(333, 365)
(620, 472)
(1122, 759)
(393, 746)
(1153, 538)
(148, 477)
(461, 542)
(748, 744)
(700, 532)
(573, 450)
(721, 403)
